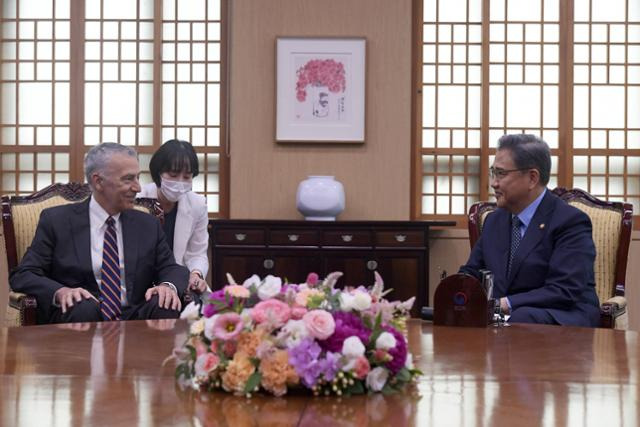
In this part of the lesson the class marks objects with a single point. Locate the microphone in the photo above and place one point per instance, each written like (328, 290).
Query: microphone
(427, 313)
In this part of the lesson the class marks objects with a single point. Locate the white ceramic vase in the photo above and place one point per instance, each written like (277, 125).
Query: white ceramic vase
(320, 198)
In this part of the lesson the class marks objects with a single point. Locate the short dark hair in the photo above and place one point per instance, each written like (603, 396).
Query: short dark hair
(173, 156)
(528, 152)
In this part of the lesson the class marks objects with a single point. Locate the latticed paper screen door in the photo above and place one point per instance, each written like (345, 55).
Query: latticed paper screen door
(141, 72)
(35, 107)
(451, 100)
(507, 66)
(606, 95)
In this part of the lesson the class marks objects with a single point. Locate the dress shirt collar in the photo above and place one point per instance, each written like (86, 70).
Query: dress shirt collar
(528, 212)
(98, 214)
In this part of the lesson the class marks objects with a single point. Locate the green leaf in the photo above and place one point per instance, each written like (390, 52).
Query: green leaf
(183, 369)
(356, 388)
(252, 382)
(366, 320)
(192, 351)
(388, 390)
(376, 331)
(404, 375)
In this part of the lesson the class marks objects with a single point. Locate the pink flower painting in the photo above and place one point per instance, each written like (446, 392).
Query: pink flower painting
(320, 72)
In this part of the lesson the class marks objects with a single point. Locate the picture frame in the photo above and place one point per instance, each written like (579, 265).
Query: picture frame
(320, 89)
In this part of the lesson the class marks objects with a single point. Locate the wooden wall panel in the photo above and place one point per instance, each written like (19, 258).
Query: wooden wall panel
(265, 174)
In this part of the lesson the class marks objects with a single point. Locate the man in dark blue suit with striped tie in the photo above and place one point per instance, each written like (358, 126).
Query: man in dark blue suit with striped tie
(100, 259)
(539, 248)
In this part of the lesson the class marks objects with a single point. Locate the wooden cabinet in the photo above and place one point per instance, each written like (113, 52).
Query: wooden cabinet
(398, 250)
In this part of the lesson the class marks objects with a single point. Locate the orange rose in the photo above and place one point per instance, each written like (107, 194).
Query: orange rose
(248, 342)
(277, 373)
(237, 374)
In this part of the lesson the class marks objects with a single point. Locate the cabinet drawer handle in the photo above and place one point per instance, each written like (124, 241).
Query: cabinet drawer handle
(240, 237)
(268, 264)
(400, 237)
(372, 265)
(347, 237)
(293, 237)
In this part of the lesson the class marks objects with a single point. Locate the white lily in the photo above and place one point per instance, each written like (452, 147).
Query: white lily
(378, 285)
(270, 287)
(332, 278)
(406, 305)
(231, 280)
(251, 281)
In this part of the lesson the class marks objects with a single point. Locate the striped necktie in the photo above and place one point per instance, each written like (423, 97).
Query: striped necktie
(110, 305)
(515, 240)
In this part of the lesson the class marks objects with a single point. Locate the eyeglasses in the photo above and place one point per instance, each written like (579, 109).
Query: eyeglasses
(501, 173)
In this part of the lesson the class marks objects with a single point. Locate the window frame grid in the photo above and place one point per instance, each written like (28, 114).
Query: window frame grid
(564, 152)
(76, 80)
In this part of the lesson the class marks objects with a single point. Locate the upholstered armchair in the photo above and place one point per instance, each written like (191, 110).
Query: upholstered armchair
(611, 234)
(20, 215)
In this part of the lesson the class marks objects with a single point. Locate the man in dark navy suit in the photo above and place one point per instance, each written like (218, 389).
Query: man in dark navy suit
(539, 248)
(101, 259)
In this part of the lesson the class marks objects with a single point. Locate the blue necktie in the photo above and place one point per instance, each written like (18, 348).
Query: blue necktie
(110, 305)
(515, 240)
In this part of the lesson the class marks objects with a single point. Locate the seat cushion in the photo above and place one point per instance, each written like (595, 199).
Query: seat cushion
(25, 219)
(606, 235)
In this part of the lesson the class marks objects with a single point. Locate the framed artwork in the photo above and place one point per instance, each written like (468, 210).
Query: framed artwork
(320, 91)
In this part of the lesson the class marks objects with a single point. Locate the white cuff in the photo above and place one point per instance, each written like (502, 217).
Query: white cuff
(170, 285)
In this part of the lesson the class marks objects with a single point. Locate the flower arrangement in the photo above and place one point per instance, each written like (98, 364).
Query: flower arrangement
(270, 335)
(320, 72)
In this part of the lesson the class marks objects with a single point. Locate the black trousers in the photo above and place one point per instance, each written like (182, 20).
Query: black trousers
(88, 310)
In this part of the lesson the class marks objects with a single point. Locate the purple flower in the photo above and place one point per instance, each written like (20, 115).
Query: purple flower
(209, 310)
(217, 299)
(347, 325)
(399, 352)
(305, 359)
(289, 287)
(330, 365)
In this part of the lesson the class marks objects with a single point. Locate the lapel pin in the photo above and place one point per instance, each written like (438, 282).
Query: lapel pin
(541, 226)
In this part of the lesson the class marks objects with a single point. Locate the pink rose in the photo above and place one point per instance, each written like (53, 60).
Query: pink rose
(312, 279)
(272, 310)
(206, 363)
(381, 355)
(319, 323)
(362, 367)
(298, 312)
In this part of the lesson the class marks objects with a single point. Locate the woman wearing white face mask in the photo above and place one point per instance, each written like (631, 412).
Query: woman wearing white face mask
(172, 168)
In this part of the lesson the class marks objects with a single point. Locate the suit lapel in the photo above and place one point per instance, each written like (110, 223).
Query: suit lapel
(500, 242)
(130, 248)
(81, 232)
(535, 232)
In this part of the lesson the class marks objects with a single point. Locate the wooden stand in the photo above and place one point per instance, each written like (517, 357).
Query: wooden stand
(461, 300)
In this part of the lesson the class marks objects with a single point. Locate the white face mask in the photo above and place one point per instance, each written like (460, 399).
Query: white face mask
(172, 190)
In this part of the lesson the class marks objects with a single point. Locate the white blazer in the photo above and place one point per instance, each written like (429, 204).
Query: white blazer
(190, 236)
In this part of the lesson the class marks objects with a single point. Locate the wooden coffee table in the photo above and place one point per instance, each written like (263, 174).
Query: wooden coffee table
(518, 376)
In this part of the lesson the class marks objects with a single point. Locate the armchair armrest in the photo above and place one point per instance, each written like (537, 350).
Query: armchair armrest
(22, 308)
(613, 313)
